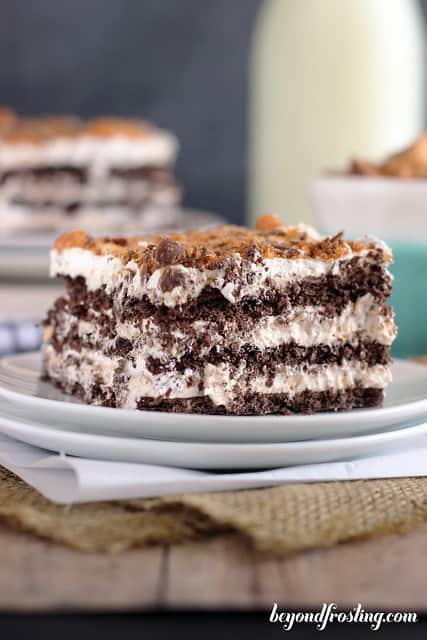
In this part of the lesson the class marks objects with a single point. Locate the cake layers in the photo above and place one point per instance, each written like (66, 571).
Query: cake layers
(58, 169)
(270, 334)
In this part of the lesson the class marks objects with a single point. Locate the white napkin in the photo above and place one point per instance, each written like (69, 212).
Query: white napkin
(67, 479)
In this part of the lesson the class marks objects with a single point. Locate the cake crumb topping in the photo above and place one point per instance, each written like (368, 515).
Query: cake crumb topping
(20, 130)
(409, 163)
(210, 249)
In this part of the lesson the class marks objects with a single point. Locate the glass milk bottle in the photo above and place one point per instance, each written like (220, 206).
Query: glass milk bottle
(330, 79)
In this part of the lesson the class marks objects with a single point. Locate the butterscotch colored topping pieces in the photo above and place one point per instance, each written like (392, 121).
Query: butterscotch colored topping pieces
(211, 248)
(16, 130)
(109, 127)
(75, 240)
(7, 118)
(268, 222)
(40, 130)
(409, 163)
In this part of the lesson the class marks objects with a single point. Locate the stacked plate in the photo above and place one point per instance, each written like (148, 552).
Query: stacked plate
(34, 412)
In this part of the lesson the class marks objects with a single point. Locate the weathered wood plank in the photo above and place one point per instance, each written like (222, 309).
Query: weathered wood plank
(219, 574)
(385, 573)
(388, 572)
(222, 573)
(39, 575)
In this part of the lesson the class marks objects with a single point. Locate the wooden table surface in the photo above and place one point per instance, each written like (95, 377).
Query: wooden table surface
(223, 573)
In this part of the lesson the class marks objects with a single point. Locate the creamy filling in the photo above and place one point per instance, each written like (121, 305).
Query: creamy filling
(307, 326)
(97, 153)
(65, 191)
(125, 279)
(221, 383)
(114, 219)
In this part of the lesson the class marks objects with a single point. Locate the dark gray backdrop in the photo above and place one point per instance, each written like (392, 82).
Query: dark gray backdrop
(181, 63)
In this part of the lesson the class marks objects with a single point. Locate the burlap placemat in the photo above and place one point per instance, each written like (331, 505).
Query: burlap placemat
(279, 520)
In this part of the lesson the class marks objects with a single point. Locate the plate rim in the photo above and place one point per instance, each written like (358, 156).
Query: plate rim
(321, 417)
(394, 435)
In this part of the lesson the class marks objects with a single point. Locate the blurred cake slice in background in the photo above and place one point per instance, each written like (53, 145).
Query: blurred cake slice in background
(103, 174)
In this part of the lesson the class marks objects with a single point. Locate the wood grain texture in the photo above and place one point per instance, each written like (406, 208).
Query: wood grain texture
(224, 573)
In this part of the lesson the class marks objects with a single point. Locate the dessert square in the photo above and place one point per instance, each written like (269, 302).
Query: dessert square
(62, 172)
(225, 321)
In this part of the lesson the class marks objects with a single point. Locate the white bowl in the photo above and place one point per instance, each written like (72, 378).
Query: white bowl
(390, 208)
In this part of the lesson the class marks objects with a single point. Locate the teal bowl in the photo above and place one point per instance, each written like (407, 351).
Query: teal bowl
(409, 297)
(394, 210)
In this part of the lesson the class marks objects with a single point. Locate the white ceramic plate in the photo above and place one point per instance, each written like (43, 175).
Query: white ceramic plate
(203, 455)
(379, 206)
(31, 265)
(32, 399)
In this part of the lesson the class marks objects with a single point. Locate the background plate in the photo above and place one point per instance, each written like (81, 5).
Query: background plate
(25, 256)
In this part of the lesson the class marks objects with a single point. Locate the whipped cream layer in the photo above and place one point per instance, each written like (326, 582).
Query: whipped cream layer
(307, 326)
(218, 382)
(66, 191)
(109, 272)
(16, 217)
(101, 153)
